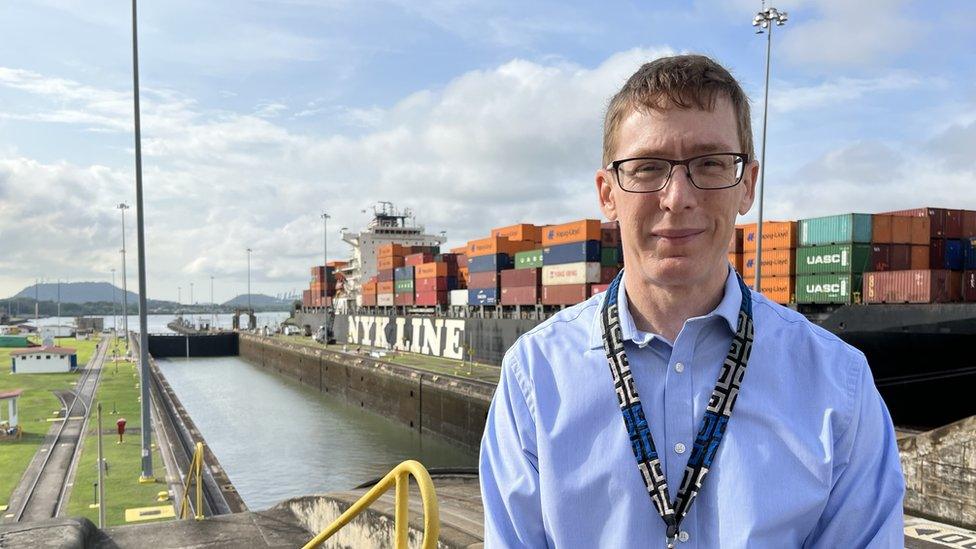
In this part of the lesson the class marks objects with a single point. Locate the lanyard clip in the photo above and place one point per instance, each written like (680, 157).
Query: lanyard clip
(672, 534)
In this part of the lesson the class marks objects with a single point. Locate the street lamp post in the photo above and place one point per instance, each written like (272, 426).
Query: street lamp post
(115, 319)
(249, 282)
(125, 298)
(325, 253)
(764, 20)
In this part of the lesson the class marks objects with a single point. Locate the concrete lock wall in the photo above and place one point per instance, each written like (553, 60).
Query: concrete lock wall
(940, 473)
(194, 345)
(449, 408)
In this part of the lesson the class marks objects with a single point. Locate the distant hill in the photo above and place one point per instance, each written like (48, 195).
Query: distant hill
(76, 292)
(259, 301)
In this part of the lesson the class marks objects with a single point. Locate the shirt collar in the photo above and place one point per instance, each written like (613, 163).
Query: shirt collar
(728, 309)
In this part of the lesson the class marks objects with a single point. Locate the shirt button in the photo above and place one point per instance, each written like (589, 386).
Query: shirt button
(683, 536)
(679, 367)
(679, 448)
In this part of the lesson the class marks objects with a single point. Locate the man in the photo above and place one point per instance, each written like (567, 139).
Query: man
(679, 408)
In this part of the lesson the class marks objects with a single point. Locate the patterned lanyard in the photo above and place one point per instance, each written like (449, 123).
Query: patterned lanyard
(713, 424)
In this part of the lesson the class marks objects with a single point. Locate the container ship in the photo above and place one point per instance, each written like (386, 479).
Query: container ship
(900, 286)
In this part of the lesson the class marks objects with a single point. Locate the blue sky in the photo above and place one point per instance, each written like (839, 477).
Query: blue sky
(259, 115)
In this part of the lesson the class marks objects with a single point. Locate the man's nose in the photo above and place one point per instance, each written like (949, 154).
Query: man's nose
(679, 193)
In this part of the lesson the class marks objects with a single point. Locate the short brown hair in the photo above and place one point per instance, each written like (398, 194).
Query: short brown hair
(681, 81)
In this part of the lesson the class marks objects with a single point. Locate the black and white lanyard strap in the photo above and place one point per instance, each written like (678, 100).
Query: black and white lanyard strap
(713, 424)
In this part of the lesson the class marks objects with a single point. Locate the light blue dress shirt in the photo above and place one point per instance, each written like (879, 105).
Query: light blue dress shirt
(809, 458)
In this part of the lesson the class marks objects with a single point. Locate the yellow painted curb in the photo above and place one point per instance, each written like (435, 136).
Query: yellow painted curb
(149, 513)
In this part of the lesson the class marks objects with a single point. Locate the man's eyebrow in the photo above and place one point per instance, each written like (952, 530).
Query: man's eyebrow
(696, 149)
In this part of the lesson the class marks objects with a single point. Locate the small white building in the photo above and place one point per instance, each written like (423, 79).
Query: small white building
(44, 360)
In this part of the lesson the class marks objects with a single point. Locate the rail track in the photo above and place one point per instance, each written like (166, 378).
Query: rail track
(48, 491)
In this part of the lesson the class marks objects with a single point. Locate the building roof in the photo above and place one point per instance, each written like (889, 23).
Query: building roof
(11, 394)
(45, 351)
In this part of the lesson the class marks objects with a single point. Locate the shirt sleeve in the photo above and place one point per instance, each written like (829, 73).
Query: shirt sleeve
(509, 467)
(865, 504)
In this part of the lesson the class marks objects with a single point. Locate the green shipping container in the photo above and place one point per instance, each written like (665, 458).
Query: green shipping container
(836, 229)
(403, 286)
(834, 258)
(13, 341)
(531, 259)
(827, 288)
(610, 256)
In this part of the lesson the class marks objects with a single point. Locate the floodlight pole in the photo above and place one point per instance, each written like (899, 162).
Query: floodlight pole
(147, 470)
(125, 289)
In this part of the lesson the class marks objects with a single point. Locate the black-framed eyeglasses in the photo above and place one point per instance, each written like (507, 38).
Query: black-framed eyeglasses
(707, 171)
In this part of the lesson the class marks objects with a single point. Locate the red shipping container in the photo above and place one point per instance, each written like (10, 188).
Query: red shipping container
(735, 243)
(430, 299)
(520, 295)
(916, 286)
(403, 299)
(384, 275)
(450, 258)
(881, 257)
(518, 278)
(607, 274)
(438, 284)
(969, 286)
(955, 286)
(413, 260)
(597, 288)
(369, 300)
(901, 229)
(486, 279)
(936, 217)
(937, 254)
(565, 294)
(953, 224)
(968, 223)
(920, 257)
(462, 260)
(900, 258)
(610, 234)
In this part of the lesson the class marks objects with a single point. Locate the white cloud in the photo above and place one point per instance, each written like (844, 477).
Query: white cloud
(837, 92)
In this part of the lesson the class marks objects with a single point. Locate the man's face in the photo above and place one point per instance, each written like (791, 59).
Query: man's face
(677, 236)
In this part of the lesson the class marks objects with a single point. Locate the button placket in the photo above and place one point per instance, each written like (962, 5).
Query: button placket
(679, 405)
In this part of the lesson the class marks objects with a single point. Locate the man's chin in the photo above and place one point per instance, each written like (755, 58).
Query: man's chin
(675, 271)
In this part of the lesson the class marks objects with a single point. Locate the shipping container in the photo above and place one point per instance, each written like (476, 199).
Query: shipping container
(430, 299)
(955, 286)
(390, 250)
(519, 295)
(969, 253)
(920, 257)
(413, 260)
(571, 253)
(319, 272)
(969, 286)
(968, 223)
(899, 258)
(484, 279)
(385, 275)
(915, 286)
(609, 257)
(521, 232)
(368, 300)
(437, 284)
(392, 262)
(934, 226)
(495, 262)
(881, 257)
(514, 278)
(460, 250)
(482, 296)
(384, 300)
(953, 258)
(828, 288)
(403, 286)
(565, 294)
(735, 243)
(403, 273)
(384, 287)
(901, 229)
(494, 245)
(432, 270)
(774, 263)
(778, 289)
(777, 235)
(834, 258)
(450, 259)
(462, 260)
(403, 299)
(610, 234)
(531, 259)
(457, 298)
(953, 224)
(607, 274)
(836, 229)
(881, 229)
(736, 260)
(577, 231)
(598, 288)
(571, 273)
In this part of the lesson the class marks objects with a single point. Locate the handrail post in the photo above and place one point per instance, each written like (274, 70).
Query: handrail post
(199, 468)
(401, 498)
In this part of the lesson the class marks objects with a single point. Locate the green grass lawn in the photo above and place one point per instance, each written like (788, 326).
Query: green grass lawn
(433, 364)
(118, 390)
(34, 407)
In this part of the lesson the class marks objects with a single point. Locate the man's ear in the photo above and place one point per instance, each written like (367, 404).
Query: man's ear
(749, 179)
(604, 190)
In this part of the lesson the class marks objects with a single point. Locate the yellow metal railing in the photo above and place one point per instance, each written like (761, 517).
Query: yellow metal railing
(399, 477)
(193, 472)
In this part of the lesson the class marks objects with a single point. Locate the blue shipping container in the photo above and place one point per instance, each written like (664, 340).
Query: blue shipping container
(488, 263)
(483, 296)
(953, 255)
(403, 273)
(969, 254)
(575, 252)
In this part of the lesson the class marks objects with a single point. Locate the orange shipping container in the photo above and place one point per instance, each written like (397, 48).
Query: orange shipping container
(430, 270)
(777, 235)
(567, 233)
(920, 255)
(774, 263)
(921, 230)
(779, 289)
(495, 245)
(901, 229)
(389, 262)
(384, 287)
(881, 229)
(735, 243)
(459, 250)
(389, 250)
(736, 261)
(521, 231)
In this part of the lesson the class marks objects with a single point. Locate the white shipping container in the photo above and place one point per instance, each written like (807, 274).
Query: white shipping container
(384, 300)
(571, 273)
(458, 298)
